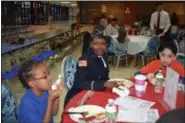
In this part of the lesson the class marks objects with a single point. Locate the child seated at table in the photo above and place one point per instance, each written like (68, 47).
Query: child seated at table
(40, 102)
(167, 54)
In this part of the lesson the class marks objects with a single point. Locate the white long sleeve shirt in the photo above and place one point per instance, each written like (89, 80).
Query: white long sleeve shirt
(164, 21)
(110, 30)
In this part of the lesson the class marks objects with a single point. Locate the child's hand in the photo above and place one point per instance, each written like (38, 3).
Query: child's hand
(54, 94)
(150, 76)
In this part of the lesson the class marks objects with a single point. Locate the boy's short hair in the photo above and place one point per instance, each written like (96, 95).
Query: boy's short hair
(169, 44)
(173, 116)
(25, 74)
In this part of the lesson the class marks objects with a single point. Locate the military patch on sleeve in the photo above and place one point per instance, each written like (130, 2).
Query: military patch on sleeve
(82, 63)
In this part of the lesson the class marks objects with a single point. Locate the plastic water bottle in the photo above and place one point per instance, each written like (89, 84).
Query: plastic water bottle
(159, 79)
(110, 112)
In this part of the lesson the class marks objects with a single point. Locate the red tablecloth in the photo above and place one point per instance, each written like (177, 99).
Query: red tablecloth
(101, 98)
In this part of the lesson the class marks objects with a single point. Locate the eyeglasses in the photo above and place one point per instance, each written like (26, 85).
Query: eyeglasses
(44, 77)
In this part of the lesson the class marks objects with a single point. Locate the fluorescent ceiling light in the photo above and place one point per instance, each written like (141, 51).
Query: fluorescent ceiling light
(65, 2)
(73, 5)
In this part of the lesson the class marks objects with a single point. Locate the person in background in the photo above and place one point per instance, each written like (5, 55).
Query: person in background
(174, 19)
(103, 15)
(181, 39)
(122, 40)
(92, 70)
(8, 105)
(50, 21)
(40, 102)
(111, 29)
(100, 29)
(160, 21)
(173, 116)
(167, 54)
(77, 24)
(139, 18)
(110, 17)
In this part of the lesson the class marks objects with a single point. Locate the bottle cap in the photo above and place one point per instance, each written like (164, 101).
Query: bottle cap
(160, 70)
(110, 101)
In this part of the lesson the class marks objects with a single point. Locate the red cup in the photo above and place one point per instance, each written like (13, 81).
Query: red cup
(140, 85)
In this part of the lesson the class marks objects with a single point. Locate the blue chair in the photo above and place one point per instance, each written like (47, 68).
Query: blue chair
(16, 68)
(68, 70)
(181, 58)
(44, 55)
(176, 44)
(8, 105)
(173, 36)
(151, 49)
(47, 54)
(9, 75)
(36, 58)
(117, 53)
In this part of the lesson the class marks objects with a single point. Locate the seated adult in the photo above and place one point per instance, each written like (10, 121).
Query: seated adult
(112, 28)
(122, 40)
(92, 70)
(181, 39)
(100, 29)
(8, 105)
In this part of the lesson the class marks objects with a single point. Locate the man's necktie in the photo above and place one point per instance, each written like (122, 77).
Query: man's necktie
(158, 21)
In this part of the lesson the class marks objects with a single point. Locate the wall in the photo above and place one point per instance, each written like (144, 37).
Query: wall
(178, 8)
(146, 8)
(92, 10)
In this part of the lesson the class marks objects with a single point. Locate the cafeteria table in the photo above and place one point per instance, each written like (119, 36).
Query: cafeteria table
(6, 48)
(137, 43)
(101, 98)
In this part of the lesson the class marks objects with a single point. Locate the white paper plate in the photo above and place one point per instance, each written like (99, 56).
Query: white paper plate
(91, 109)
(127, 83)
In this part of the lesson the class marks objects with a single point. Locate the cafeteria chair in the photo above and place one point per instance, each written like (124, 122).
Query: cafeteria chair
(176, 44)
(9, 113)
(9, 75)
(118, 54)
(68, 70)
(181, 58)
(43, 56)
(151, 49)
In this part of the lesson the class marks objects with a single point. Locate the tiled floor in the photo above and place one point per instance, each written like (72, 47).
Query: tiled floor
(121, 72)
